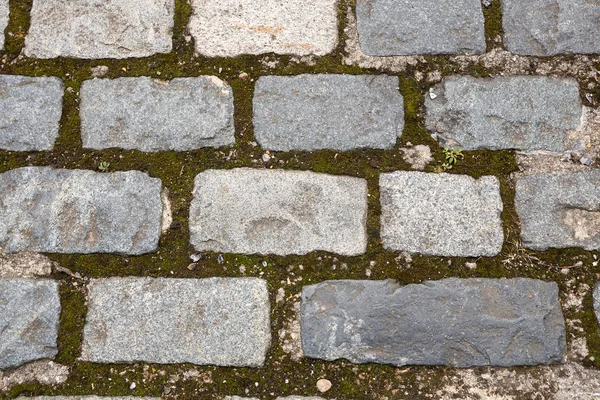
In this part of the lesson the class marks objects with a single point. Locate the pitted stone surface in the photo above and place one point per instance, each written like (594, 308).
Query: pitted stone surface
(100, 29)
(30, 110)
(29, 314)
(551, 27)
(4, 12)
(441, 214)
(227, 28)
(456, 322)
(339, 112)
(220, 321)
(519, 112)
(559, 210)
(254, 211)
(78, 211)
(148, 115)
(406, 27)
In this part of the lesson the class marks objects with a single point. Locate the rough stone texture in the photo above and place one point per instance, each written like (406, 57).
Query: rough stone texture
(79, 211)
(550, 27)
(441, 214)
(559, 210)
(24, 265)
(149, 115)
(300, 398)
(518, 112)
(220, 321)
(456, 322)
(100, 28)
(30, 110)
(339, 112)
(227, 28)
(43, 371)
(87, 398)
(4, 11)
(29, 314)
(406, 27)
(597, 301)
(280, 212)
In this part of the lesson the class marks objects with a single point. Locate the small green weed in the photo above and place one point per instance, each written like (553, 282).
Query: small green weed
(104, 166)
(451, 157)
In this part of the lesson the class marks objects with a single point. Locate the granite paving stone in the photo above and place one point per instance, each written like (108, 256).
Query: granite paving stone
(79, 211)
(441, 214)
(94, 29)
(228, 28)
(257, 211)
(406, 27)
(29, 315)
(4, 14)
(150, 115)
(518, 112)
(456, 322)
(559, 210)
(327, 111)
(551, 27)
(218, 321)
(30, 111)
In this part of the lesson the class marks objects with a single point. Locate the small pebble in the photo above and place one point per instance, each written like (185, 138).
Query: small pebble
(220, 258)
(266, 157)
(195, 257)
(471, 265)
(323, 385)
(191, 267)
(243, 76)
(166, 390)
(132, 386)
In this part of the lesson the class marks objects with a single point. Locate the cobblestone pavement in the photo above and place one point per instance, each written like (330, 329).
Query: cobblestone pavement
(296, 200)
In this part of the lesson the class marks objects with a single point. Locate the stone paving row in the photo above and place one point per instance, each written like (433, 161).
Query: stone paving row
(156, 398)
(151, 115)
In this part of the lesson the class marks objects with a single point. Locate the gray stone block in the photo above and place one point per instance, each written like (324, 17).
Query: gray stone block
(518, 112)
(551, 27)
(78, 211)
(233, 27)
(559, 210)
(219, 321)
(406, 27)
(87, 398)
(30, 111)
(457, 322)
(4, 13)
(148, 115)
(100, 29)
(254, 211)
(441, 214)
(29, 315)
(339, 112)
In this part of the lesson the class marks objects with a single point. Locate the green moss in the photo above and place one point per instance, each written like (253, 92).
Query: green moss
(493, 24)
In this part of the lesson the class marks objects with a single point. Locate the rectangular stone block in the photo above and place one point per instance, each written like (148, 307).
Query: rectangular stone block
(254, 211)
(148, 115)
(100, 28)
(339, 112)
(551, 27)
(29, 315)
(77, 211)
(4, 14)
(441, 214)
(456, 322)
(220, 321)
(517, 112)
(559, 210)
(228, 28)
(406, 27)
(30, 111)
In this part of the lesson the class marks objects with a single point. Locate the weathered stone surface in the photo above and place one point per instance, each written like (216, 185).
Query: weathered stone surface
(457, 322)
(441, 214)
(300, 398)
(30, 110)
(597, 301)
(518, 112)
(78, 211)
(220, 321)
(405, 27)
(281, 212)
(24, 265)
(46, 372)
(100, 29)
(559, 210)
(4, 12)
(29, 314)
(148, 115)
(227, 28)
(87, 398)
(550, 27)
(339, 112)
